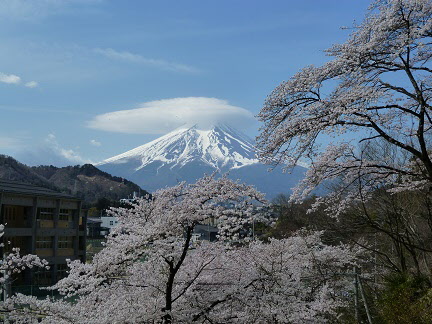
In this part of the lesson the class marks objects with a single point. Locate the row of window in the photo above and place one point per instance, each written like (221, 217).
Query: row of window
(19, 216)
(10, 212)
(16, 216)
(44, 277)
(48, 214)
(47, 242)
(15, 242)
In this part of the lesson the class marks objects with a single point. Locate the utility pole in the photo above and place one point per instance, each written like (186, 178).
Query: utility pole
(6, 291)
(364, 300)
(6, 286)
(356, 295)
(359, 287)
(253, 228)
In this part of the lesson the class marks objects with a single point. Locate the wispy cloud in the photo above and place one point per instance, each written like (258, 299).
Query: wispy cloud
(37, 9)
(15, 79)
(35, 109)
(95, 142)
(70, 155)
(9, 142)
(50, 151)
(162, 116)
(139, 59)
(31, 84)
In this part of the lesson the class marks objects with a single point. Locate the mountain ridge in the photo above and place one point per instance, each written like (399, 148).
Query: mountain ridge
(86, 181)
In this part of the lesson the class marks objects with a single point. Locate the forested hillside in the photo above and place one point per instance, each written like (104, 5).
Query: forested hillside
(86, 181)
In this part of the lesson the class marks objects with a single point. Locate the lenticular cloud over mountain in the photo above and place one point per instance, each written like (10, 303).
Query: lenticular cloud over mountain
(162, 116)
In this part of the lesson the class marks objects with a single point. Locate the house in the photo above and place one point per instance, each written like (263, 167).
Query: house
(108, 223)
(43, 222)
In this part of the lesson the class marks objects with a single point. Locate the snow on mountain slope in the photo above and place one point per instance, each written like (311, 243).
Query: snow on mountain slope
(188, 153)
(221, 148)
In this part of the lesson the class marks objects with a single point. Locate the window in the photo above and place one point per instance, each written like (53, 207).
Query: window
(65, 242)
(43, 277)
(65, 215)
(62, 271)
(10, 243)
(44, 242)
(46, 213)
(9, 213)
(111, 222)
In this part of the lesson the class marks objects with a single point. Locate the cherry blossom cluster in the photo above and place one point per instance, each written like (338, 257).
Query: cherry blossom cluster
(14, 262)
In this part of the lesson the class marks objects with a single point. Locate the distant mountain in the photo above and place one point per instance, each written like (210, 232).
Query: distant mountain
(86, 182)
(186, 154)
(11, 169)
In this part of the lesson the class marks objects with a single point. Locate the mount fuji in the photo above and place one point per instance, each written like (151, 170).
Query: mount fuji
(188, 153)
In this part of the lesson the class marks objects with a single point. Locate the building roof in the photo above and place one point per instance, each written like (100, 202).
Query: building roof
(15, 187)
(94, 220)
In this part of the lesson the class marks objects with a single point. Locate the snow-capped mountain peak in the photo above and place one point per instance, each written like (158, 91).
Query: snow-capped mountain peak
(220, 147)
(189, 152)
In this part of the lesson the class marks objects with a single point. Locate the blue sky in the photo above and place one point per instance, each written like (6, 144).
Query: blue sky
(73, 71)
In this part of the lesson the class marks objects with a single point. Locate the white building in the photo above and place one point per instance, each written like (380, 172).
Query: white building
(108, 222)
(132, 199)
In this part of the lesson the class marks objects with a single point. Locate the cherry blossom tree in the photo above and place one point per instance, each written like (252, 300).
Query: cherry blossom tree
(377, 87)
(149, 272)
(12, 263)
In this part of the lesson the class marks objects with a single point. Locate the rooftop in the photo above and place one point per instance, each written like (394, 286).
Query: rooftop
(15, 187)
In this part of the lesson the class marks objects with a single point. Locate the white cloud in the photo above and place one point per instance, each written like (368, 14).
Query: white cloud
(95, 142)
(15, 79)
(31, 84)
(9, 78)
(136, 58)
(162, 116)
